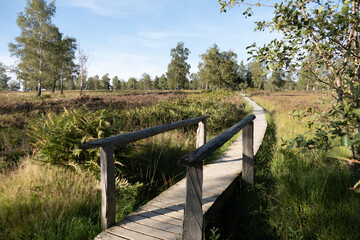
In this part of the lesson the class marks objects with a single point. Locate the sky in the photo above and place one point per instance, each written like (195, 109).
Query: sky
(127, 38)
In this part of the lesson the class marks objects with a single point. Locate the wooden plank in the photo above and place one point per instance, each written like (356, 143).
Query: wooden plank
(126, 138)
(155, 224)
(108, 198)
(196, 156)
(130, 234)
(163, 211)
(166, 205)
(161, 218)
(248, 154)
(108, 236)
(153, 232)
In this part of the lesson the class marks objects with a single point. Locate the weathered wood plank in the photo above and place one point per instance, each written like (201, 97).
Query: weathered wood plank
(193, 214)
(161, 218)
(155, 224)
(153, 232)
(108, 198)
(130, 234)
(248, 154)
(126, 138)
(196, 156)
(162, 211)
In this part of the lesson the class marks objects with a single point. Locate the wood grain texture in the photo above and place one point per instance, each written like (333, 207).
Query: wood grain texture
(108, 199)
(248, 154)
(126, 138)
(198, 155)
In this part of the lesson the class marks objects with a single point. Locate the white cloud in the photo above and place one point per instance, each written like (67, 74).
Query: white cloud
(114, 8)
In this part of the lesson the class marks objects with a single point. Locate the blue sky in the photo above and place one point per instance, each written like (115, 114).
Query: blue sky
(130, 37)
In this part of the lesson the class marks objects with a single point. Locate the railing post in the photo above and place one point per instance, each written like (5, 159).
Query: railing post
(108, 201)
(193, 214)
(248, 154)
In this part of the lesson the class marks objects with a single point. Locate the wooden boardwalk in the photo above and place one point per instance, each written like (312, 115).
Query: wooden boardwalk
(162, 217)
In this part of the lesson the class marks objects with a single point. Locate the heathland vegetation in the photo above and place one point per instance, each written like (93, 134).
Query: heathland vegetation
(306, 170)
(50, 188)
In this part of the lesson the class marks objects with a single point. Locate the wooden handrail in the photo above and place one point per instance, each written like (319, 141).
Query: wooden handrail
(195, 157)
(126, 138)
(106, 145)
(193, 214)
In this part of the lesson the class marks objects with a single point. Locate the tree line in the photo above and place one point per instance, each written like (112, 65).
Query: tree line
(47, 61)
(217, 70)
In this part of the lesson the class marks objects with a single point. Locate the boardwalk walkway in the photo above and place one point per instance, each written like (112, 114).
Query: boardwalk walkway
(161, 218)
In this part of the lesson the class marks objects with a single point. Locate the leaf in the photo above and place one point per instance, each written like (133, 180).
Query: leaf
(340, 152)
(356, 111)
(345, 141)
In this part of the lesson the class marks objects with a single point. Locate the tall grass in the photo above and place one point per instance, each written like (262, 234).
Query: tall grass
(296, 196)
(60, 199)
(310, 196)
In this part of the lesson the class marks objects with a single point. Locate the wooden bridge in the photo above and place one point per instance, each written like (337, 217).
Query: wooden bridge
(180, 211)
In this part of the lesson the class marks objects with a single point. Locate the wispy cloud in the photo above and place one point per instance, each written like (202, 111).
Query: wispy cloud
(113, 8)
(166, 34)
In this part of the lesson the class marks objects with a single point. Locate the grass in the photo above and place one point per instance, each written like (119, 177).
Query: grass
(296, 196)
(62, 201)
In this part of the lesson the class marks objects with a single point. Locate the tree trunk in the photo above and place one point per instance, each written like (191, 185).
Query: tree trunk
(307, 85)
(39, 88)
(61, 83)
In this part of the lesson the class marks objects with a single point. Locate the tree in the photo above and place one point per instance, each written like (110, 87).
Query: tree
(163, 82)
(219, 69)
(145, 82)
(178, 69)
(122, 84)
(116, 83)
(323, 38)
(4, 79)
(156, 82)
(289, 81)
(35, 45)
(131, 83)
(83, 60)
(194, 81)
(257, 74)
(105, 82)
(276, 80)
(65, 67)
(14, 85)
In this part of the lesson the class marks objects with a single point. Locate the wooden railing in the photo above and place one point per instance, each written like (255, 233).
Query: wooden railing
(193, 214)
(106, 145)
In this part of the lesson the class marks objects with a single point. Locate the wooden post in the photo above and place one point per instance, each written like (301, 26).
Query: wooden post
(193, 214)
(108, 201)
(248, 154)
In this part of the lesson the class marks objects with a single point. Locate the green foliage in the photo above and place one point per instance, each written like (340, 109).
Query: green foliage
(178, 68)
(219, 69)
(57, 136)
(4, 79)
(44, 55)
